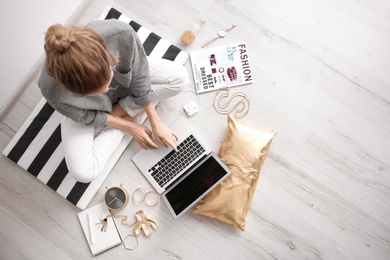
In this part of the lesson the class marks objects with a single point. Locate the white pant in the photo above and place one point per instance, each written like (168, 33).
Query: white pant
(86, 154)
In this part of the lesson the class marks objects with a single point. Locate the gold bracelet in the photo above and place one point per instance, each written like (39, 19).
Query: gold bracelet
(157, 199)
(144, 198)
(132, 196)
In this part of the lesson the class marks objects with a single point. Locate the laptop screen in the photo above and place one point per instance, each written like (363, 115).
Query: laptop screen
(196, 185)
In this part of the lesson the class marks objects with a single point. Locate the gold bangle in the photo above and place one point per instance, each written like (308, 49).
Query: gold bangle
(132, 197)
(157, 200)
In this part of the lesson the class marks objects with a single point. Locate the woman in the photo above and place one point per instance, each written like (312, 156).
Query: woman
(98, 75)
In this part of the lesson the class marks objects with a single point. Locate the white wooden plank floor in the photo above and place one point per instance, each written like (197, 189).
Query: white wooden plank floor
(321, 78)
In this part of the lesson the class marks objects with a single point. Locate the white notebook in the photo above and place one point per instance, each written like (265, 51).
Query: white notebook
(99, 241)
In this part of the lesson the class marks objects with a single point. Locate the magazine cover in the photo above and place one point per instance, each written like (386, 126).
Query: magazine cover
(224, 66)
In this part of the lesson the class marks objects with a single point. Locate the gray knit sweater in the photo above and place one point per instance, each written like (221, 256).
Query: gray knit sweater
(131, 78)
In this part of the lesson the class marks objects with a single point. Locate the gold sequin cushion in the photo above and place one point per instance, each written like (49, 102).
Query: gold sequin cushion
(243, 150)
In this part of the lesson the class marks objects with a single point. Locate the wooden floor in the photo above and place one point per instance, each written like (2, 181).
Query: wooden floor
(321, 78)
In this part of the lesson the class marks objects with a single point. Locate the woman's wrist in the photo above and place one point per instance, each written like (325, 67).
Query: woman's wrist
(154, 119)
(120, 123)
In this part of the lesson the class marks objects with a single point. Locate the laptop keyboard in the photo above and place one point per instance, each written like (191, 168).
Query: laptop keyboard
(174, 162)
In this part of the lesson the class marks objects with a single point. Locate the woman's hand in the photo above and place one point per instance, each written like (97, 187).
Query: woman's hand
(161, 133)
(165, 136)
(120, 119)
(141, 133)
(126, 123)
(143, 136)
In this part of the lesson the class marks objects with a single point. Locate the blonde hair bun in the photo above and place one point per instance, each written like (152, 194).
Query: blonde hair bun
(77, 58)
(58, 38)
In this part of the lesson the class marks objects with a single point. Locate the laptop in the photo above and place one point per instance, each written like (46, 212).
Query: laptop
(183, 177)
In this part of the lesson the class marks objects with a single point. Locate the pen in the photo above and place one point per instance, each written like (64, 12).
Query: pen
(91, 230)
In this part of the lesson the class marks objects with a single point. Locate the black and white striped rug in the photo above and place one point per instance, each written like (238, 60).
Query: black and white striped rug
(36, 147)
(154, 45)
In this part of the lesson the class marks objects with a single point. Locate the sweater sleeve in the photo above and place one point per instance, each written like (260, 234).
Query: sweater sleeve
(140, 86)
(87, 110)
(86, 116)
